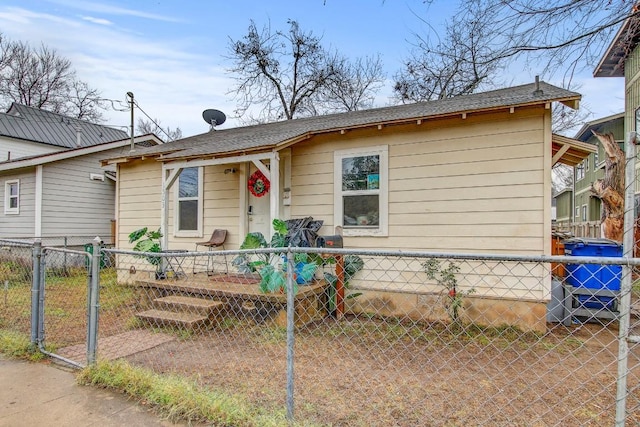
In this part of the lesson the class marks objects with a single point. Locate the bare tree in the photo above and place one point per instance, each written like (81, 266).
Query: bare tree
(40, 77)
(290, 74)
(555, 36)
(561, 177)
(458, 64)
(144, 127)
(353, 85)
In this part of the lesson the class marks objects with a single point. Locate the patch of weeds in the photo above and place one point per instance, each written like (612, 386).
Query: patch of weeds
(134, 323)
(18, 346)
(114, 296)
(15, 272)
(228, 322)
(179, 398)
(271, 335)
(56, 312)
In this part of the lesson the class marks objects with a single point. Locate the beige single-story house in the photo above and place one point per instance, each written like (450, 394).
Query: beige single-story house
(470, 174)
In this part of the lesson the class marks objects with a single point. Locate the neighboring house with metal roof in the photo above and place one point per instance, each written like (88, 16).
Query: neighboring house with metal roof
(470, 174)
(67, 193)
(27, 131)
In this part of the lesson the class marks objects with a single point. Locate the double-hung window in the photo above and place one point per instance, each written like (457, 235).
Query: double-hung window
(12, 197)
(580, 171)
(360, 189)
(188, 220)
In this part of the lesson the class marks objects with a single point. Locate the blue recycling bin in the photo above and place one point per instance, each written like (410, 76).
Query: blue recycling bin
(594, 276)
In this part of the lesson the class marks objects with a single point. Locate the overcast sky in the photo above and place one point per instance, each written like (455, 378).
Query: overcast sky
(171, 54)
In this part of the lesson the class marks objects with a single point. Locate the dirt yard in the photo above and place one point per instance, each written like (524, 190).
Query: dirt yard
(363, 372)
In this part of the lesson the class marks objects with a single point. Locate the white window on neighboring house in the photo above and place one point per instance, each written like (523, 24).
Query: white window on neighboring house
(361, 191)
(188, 212)
(577, 212)
(584, 212)
(580, 171)
(12, 197)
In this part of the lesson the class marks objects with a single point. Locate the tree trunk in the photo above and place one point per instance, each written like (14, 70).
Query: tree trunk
(610, 189)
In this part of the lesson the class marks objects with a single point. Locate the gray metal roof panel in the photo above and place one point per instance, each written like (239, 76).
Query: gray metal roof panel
(270, 134)
(34, 124)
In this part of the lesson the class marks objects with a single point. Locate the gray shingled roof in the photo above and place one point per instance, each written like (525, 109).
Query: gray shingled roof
(264, 136)
(34, 124)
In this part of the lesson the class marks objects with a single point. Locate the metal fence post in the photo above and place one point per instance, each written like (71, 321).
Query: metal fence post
(290, 332)
(92, 332)
(625, 285)
(35, 290)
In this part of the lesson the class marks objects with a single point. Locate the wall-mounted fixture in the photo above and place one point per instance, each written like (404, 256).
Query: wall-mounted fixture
(96, 177)
(230, 170)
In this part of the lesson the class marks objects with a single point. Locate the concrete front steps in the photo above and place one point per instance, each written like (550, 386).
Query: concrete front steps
(183, 312)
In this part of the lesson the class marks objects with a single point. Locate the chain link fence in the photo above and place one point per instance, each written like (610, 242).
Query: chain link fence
(351, 337)
(16, 277)
(380, 338)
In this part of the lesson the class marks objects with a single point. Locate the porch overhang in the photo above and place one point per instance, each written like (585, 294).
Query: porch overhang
(569, 151)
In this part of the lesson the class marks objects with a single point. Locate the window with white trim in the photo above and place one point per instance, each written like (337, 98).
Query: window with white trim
(361, 191)
(584, 212)
(188, 212)
(12, 197)
(580, 171)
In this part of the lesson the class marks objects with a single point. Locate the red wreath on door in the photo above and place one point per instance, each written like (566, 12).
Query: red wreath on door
(258, 184)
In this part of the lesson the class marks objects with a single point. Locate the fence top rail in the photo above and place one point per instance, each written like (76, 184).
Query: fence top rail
(66, 251)
(397, 254)
(16, 242)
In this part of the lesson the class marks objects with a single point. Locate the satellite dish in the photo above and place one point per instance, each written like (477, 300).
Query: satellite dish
(214, 117)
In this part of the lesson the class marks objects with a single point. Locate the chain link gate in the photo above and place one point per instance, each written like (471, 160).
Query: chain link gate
(64, 308)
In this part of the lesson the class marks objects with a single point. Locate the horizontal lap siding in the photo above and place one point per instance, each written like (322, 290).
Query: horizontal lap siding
(467, 186)
(140, 190)
(472, 185)
(221, 209)
(72, 203)
(15, 149)
(22, 224)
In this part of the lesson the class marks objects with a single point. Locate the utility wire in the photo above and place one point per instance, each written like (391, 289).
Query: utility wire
(152, 120)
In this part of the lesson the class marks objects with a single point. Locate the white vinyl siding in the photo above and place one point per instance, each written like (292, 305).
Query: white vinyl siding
(19, 225)
(73, 204)
(14, 149)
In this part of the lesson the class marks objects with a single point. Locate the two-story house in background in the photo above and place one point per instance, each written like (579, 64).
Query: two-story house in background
(576, 207)
(52, 184)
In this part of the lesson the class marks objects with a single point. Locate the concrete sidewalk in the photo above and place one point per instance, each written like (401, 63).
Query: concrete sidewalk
(45, 394)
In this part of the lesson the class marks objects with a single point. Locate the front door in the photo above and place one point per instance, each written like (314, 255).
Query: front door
(259, 212)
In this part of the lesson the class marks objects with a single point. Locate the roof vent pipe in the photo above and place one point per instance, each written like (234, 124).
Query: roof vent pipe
(538, 91)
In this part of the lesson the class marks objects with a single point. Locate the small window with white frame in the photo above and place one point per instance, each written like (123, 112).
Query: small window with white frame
(580, 171)
(361, 191)
(577, 212)
(584, 213)
(12, 197)
(188, 212)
